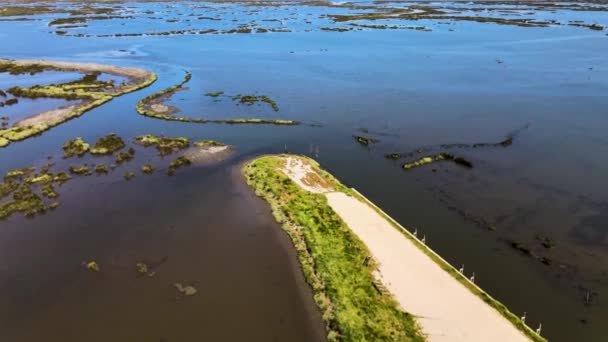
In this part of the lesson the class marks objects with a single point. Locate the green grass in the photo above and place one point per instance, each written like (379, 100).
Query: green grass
(332, 260)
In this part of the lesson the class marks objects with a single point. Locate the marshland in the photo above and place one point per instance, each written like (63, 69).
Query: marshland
(128, 131)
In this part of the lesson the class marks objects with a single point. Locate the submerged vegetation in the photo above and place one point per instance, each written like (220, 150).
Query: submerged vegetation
(178, 163)
(208, 143)
(252, 99)
(332, 260)
(32, 191)
(28, 188)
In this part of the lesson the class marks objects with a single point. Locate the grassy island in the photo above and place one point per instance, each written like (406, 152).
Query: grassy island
(90, 93)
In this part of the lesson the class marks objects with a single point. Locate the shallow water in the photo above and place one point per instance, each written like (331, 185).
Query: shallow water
(408, 88)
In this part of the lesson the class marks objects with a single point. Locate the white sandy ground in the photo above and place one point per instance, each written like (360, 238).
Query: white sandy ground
(446, 311)
(90, 67)
(46, 117)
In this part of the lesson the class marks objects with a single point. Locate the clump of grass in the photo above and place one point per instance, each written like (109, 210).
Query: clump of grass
(93, 266)
(108, 145)
(364, 140)
(48, 191)
(75, 147)
(141, 268)
(270, 101)
(164, 145)
(21, 69)
(437, 157)
(129, 175)
(147, 168)
(177, 163)
(61, 177)
(208, 143)
(80, 170)
(252, 99)
(11, 102)
(122, 157)
(24, 201)
(215, 94)
(332, 260)
(101, 169)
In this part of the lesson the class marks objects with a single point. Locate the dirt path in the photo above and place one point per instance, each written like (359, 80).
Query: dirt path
(446, 310)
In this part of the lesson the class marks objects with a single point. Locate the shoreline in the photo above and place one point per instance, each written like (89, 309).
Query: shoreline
(417, 278)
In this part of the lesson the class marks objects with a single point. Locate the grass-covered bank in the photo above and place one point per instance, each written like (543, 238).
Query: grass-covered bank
(332, 259)
(324, 243)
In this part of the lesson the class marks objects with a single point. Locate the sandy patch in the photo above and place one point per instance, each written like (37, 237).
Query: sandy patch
(445, 309)
(305, 176)
(159, 108)
(90, 67)
(44, 118)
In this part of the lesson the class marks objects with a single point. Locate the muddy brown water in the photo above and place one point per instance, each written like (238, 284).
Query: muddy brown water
(221, 240)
